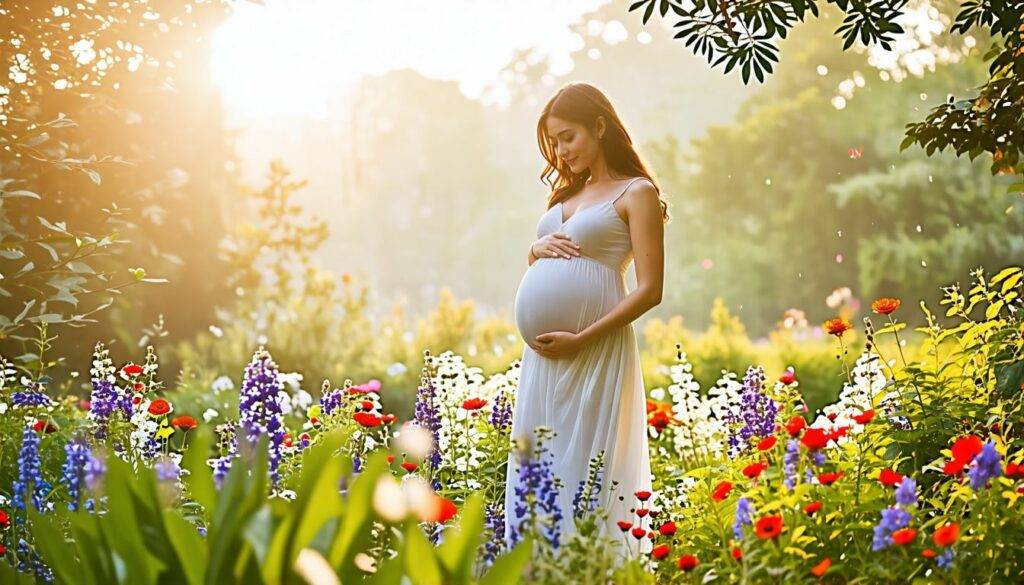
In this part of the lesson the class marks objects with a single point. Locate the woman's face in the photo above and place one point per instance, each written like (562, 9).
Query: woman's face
(573, 143)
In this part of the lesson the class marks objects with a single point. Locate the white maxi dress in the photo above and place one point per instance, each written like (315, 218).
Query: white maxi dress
(594, 400)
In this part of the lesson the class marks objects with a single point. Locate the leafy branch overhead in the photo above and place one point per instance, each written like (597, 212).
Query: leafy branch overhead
(744, 34)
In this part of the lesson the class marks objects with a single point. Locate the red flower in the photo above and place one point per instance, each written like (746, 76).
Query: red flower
(768, 527)
(889, 478)
(642, 495)
(928, 553)
(388, 418)
(5, 520)
(795, 425)
(409, 466)
(391, 458)
(3, 550)
(830, 478)
(473, 404)
(641, 512)
(659, 420)
(737, 553)
(766, 443)
(864, 417)
(1014, 470)
(946, 534)
(159, 407)
(904, 536)
(139, 386)
(368, 419)
(625, 526)
(819, 569)
(367, 405)
(659, 552)
(639, 533)
(132, 370)
(840, 432)
(667, 529)
(288, 440)
(42, 425)
(788, 377)
(811, 508)
(964, 449)
(446, 510)
(885, 305)
(654, 513)
(837, 326)
(755, 469)
(688, 563)
(814, 439)
(721, 491)
(184, 422)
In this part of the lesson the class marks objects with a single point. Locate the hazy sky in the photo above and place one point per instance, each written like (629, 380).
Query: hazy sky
(293, 55)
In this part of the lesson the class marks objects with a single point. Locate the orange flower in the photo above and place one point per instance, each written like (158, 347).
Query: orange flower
(837, 326)
(442, 511)
(768, 527)
(946, 534)
(885, 305)
(184, 422)
(819, 569)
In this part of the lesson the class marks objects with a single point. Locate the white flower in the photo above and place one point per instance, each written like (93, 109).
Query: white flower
(222, 384)
(210, 414)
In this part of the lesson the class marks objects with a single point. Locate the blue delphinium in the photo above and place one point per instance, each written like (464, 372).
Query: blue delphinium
(906, 493)
(985, 466)
(331, 401)
(494, 520)
(501, 412)
(790, 461)
(30, 396)
(260, 409)
(585, 499)
(72, 474)
(106, 398)
(167, 470)
(893, 518)
(428, 416)
(536, 494)
(30, 473)
(744, 515)
(30, 562)
(757, 412)
(95, 469)
(945, 560)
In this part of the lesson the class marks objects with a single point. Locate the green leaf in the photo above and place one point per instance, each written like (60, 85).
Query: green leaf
(458, 552)
(508, 568)
(188, 545)
(421, 564)
(353, 531)
(57, 553)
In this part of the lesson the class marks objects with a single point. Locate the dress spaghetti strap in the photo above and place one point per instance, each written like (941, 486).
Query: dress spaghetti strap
(627, 188)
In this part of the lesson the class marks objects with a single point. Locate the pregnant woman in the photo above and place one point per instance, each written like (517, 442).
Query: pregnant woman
(581, 373)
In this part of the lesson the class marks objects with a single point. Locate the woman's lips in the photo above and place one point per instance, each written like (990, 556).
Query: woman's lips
(569, 161)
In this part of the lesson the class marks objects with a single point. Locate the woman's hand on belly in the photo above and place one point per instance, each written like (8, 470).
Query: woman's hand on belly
(558, 344)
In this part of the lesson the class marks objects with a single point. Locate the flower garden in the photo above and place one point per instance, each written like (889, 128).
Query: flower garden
(914, 473)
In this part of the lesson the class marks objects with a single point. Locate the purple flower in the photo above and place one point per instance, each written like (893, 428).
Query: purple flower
(427, 414)
(757, 412)
(228, 438)
(501, 412)
(945, 560)
(495, 523)
(536, 494)
(585, 499)
(30, 396)
(167, 470)
(906, 493)
(331, 401)
(893, 518)
(30, 474)
(73, 472)
(30, 562)
(790, 461)
(984, 466)
(744, 515)
(260, 409)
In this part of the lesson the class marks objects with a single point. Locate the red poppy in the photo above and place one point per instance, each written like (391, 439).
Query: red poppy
(889, 478)
(946, 534)
(1014, 470)
(795, 425)
(3, 550)
(159, 407)
(814, 439)
(654, 513)
(755, 469)
(864, 417)
(367, 405)
(388, 418)
(642, 495)
(391, 458)
(641, 512)
(766, 443)
(132, 370)
(184, 422)
(638, 533)
(659, 420)
(837, 326)
(659, 552)
(5, 520)
(139, 386)
(928, 553)
(904, 536)
(811, 508)
(830, 478)
(768, 527)
(721, 491)
(964, 449)
(737, 553)
(368, 419)
(840, 432)
(409, 466)
(42, 425)
(288, 440)
(667, 529)
(820, 569)
(446, 510)
(473, 404)
(625, 526)
(688, 563)
(788, 377)
(885, 305)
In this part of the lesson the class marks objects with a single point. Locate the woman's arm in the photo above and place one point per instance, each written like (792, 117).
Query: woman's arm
(531, 258)
(646, 232)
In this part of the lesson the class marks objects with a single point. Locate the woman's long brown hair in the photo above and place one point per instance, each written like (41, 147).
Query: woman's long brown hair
(582, 103)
